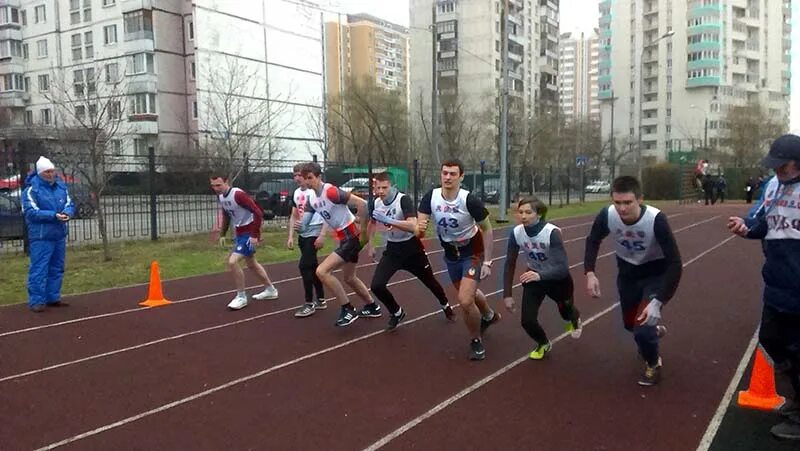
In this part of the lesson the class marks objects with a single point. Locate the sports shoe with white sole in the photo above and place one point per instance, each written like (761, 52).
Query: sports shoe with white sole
(304, 311)
(239, 302)
(320, 304)
(476, 350)
(575, 329)
(346, 317)
(269, 292)
(651, 375)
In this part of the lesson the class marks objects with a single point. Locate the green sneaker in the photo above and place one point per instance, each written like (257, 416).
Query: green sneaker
(575, 329)
(540, 351)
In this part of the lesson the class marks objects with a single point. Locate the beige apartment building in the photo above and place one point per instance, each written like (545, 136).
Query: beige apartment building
(361, 46)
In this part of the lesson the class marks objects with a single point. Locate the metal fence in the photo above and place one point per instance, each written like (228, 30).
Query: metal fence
(159, 196)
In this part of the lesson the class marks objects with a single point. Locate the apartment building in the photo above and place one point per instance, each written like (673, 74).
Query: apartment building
(469, 41)
(675, 66)
(361, 46)
(161, 52)
(578, 55)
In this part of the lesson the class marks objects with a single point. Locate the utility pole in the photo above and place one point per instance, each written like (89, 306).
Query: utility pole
(613, 151)
(434, 88)
(501, 217)
(705, 135)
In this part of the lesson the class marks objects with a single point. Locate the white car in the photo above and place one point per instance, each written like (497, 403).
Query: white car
(598, 186)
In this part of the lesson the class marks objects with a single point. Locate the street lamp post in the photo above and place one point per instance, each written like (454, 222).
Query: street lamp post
(666, 35)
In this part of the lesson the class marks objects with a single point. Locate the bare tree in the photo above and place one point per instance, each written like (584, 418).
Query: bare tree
(748, 130)
(368, 120)
(238, 124)
(88, 126)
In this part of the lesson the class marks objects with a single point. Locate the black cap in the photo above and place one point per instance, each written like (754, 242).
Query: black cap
(783, 150)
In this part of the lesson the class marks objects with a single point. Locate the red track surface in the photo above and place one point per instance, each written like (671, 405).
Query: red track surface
(275, 382)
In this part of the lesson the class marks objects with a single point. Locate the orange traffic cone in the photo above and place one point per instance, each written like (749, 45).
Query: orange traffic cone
(155, 297)
(761, 394)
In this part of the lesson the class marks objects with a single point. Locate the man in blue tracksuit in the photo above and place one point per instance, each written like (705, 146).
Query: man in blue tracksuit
(47, 208)
(777, 224)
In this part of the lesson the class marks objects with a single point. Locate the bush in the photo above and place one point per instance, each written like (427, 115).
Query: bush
(661, 181)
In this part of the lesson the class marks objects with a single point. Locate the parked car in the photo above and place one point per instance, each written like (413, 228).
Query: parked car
(274, 197)
(358, 186)
(492, 188)
(598, 186)
(12, 223)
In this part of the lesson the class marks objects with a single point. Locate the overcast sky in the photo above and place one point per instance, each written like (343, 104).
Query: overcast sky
(576, 15)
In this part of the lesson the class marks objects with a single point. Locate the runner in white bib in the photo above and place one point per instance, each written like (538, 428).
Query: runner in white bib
(241, 211)
(333, 205)
(393, 216)
(546, 273)
(465, 232)
(310, 239)
(649, 267)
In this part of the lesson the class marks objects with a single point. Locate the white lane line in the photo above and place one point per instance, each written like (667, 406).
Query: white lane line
(444, 404)
(289, 363)
(447, 402)
(716, 420)
(196, 298)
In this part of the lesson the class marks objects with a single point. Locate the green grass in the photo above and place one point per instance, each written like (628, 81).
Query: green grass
(178, 257)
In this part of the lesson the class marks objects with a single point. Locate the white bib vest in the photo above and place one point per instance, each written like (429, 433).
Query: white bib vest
(239, 216)
(782, 207)
(537, 248)
(301, 197)
(394, 211)
(636, 243)
(338, 216)
(454, 223)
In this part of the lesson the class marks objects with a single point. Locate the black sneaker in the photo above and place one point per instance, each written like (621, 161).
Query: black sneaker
(651, 375)
(346, 317)
(449, 313)
(371, 310)
(476, 350)
(788, 430)
(486, 323)
(394, 320)
(790, 408)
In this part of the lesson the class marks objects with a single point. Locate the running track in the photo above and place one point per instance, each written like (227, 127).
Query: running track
(105, 374)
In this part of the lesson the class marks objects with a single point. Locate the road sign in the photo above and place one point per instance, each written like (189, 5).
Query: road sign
(581, 160)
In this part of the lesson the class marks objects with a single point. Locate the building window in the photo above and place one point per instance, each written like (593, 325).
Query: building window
(74, 12)
(114, 110)
(9, 48)
(44, 83)
(23, 17)
(28, 117)
(44, 116)
(140, 147)
(112, 73)
(191, 30)
(194, 109)
(39, 14)
(41, 48)
(109, 2)
(80, 112)
(9, 15)
(77, 51)
(25, 51)
(143, 103)
(115, 146)
(194, 70)
(138, 24)
(12, 82)
(110, 34)
(88, 44)
(141, 63)
(83, 82)
(27, 84)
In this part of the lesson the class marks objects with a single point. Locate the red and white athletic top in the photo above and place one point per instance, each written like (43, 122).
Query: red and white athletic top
(331, 203)
(244, 213)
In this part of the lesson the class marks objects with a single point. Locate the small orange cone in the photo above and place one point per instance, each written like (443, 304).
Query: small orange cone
(155, 297)
(761, 394)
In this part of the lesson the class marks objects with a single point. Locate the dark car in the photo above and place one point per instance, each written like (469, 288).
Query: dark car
(275, 197)
(492, 187)
(12, 223)
(85, 201)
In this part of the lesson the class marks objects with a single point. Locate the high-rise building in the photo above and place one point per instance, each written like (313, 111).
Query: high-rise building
(366, 47)
(469, 53)
(675, 67)
(163, 54)
(578, 56)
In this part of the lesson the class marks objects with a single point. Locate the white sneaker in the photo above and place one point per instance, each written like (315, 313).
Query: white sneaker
(239, 302)
(268, 293)
(661, 330)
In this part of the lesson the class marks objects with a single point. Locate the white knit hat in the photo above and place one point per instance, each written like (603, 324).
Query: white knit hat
(43, 164)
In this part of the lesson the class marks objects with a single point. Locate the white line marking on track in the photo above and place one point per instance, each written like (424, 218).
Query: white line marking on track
(719, 414)
(444, 404)
(241, 380)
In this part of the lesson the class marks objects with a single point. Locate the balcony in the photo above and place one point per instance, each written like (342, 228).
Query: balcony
(516, 39)
(650, 121)
(10, 33)
(651, 10)
(14, 99)
(135, 5)
(702, 81)
(514, 57)
(650, 137)
(143, 124)
(14, 3)
(651, 105)
(697, 64)
(142, 83)
(12, 66)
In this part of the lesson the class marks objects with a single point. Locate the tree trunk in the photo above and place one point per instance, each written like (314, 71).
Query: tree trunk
(101, 225)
